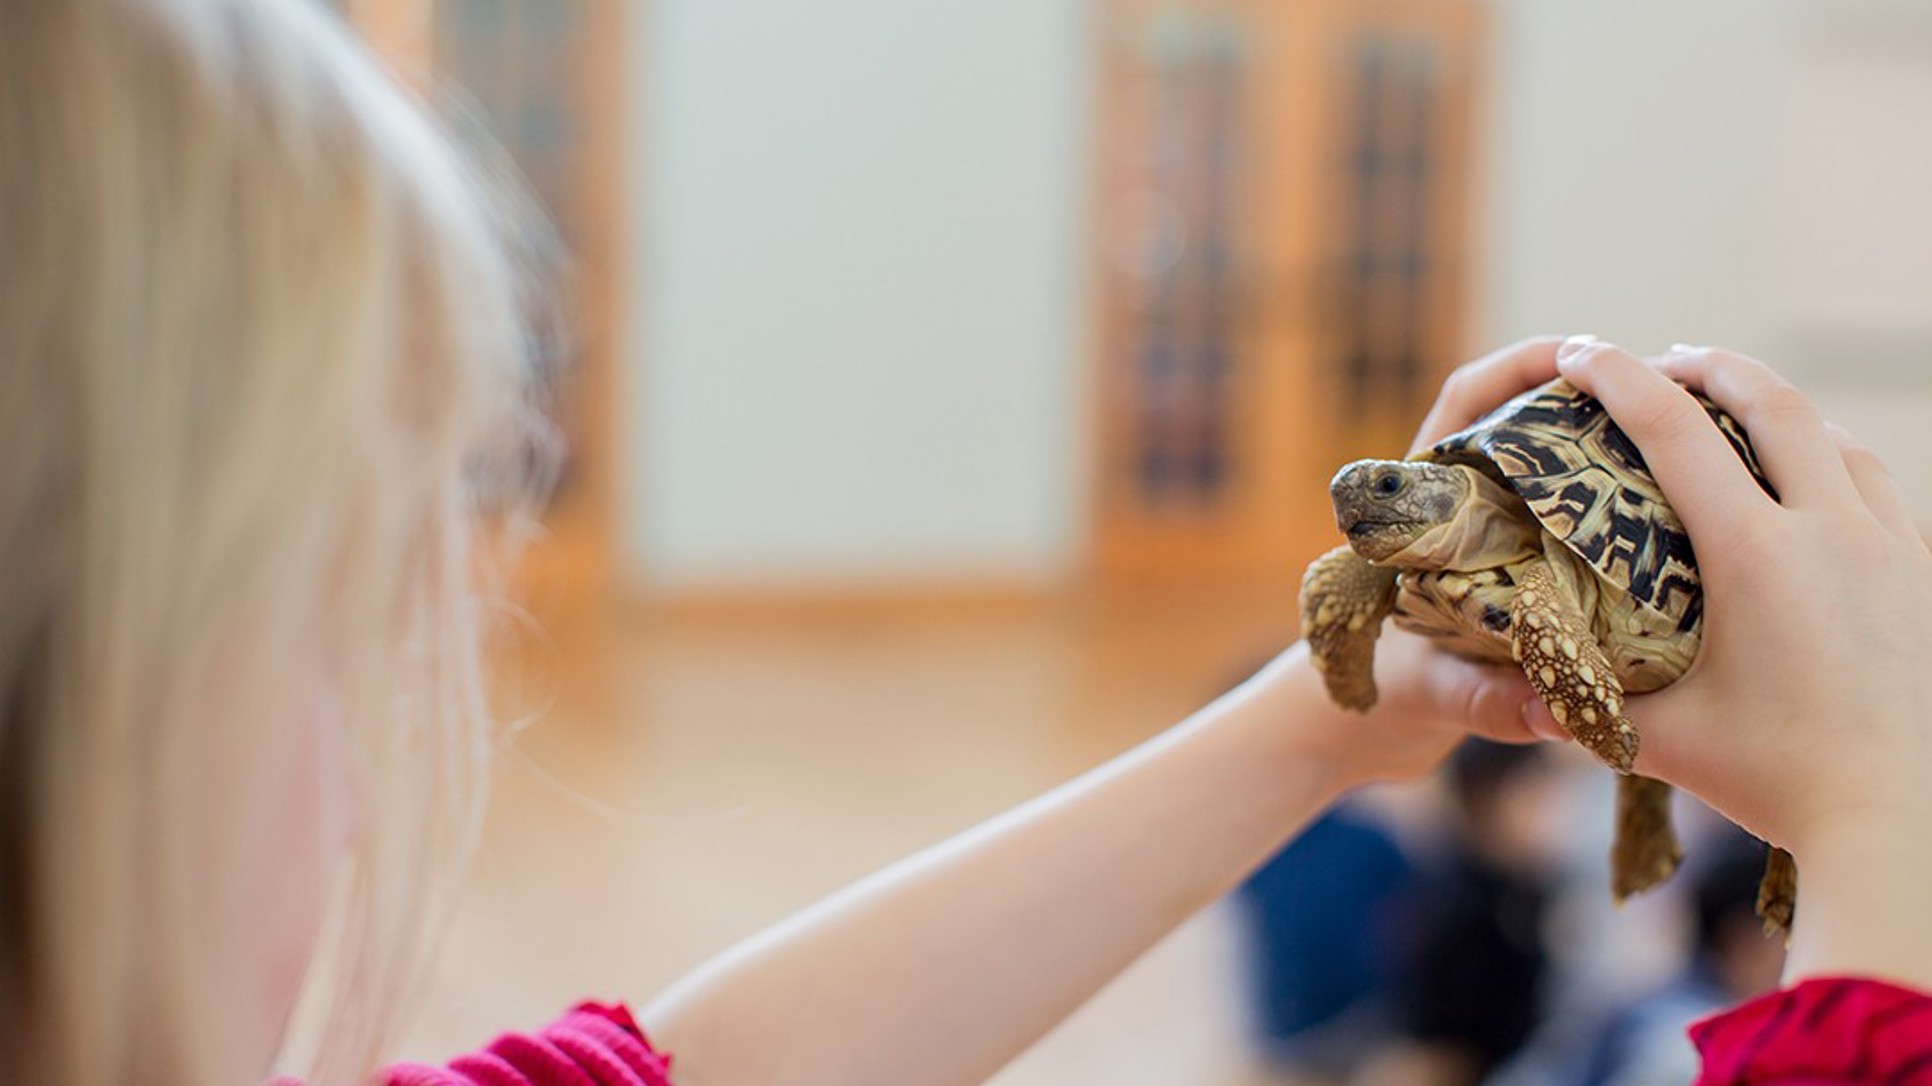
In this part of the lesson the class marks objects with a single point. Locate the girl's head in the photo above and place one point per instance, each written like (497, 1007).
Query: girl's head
(256, 322)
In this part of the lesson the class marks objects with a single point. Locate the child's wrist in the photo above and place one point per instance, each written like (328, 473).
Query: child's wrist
(1310, 730)
(1864, 885)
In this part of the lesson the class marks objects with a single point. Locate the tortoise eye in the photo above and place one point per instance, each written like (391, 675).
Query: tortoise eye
(1388, 484)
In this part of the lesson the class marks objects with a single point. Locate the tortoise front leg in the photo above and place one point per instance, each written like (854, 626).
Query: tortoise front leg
(1343, 602)
(1778, 893)
(1562, 660)
(1646, 851)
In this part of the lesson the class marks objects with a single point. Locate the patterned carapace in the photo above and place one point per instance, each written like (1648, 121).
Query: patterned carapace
(1586, 482)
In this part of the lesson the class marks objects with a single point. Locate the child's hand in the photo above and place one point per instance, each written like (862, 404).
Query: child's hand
(1811, 699)
(1430, 700)
(1807, 716)
(1479, 387)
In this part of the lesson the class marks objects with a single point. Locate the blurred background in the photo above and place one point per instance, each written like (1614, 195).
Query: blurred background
(957, 385)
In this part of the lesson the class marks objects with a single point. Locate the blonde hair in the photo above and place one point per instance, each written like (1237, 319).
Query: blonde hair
(257, 319)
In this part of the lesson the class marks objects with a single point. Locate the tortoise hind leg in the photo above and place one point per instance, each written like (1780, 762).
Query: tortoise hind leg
(1646, 851)
(1560, 656)
(1778, 893)
(1343, 602)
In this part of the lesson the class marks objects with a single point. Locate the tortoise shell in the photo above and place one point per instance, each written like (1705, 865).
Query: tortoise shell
(1585, 481)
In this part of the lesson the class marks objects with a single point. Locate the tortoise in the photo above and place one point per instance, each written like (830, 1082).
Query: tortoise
(1537, 536)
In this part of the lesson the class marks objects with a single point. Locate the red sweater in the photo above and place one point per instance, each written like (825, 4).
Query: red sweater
(1837, 1031)
(594, 1045)
(1830, 1032)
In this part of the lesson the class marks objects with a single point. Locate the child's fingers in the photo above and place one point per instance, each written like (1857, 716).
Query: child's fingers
(1493, 700)
(1708, 484)
(1541, 722)
(1875, 484)
(1798, 456)
(1479, 387)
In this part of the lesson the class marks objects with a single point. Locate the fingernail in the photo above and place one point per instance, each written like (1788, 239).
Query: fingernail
(1683, 348)
(1538, 720)
(1572, 348)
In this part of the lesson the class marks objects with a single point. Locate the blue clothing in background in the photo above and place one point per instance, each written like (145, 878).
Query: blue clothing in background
(1317, 916)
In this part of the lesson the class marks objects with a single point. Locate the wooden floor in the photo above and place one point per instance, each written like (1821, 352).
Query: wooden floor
(686, 778)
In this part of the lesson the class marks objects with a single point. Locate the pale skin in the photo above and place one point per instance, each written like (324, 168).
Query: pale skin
(943, 968)
(1818, 632)
(1818, 636)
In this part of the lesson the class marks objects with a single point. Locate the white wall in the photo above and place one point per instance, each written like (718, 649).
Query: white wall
(1855, 288)
(860, 254)
(1629, 151)
(1745, 172)
(856, 313)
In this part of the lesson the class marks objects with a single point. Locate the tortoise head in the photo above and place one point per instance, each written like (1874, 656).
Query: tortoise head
(1385, 506)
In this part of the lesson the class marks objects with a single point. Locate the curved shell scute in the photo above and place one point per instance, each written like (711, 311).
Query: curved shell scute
(1588, 485)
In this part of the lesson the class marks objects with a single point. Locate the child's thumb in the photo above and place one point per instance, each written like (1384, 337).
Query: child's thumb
(1540, 721)
(1495, 701)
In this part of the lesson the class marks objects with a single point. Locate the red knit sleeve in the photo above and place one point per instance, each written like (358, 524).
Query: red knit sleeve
(1828, 1032)
(594, 1045)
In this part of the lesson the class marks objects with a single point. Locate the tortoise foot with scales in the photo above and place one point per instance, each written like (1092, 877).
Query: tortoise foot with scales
(1538, 538)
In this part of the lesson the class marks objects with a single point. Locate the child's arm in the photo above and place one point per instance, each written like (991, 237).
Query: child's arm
(947, 965)
(944, 967)
(1808, 715)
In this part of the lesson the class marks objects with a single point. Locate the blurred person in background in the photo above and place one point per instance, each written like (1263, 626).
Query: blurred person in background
(1472, 965)
(260, 346)
(1732, 960)
(1322, 919)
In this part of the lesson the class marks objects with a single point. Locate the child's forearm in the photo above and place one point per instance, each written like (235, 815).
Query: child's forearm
(944, 967)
